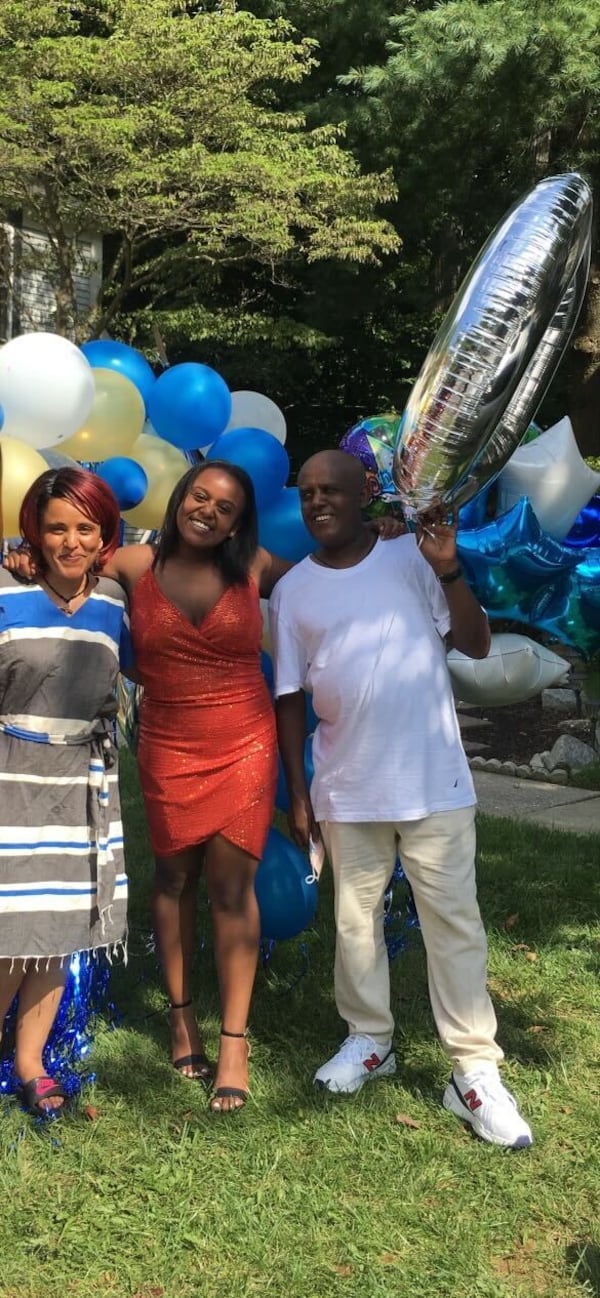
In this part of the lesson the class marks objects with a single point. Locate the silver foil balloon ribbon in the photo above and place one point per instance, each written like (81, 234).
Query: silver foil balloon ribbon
(497, 348)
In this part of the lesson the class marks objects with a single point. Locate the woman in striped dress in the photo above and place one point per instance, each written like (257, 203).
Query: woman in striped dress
(63, 887)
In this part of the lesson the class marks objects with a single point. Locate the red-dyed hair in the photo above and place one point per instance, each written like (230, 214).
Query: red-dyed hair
(84, 491)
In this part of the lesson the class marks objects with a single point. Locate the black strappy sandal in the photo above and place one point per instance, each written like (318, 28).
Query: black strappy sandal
(230, 1092)
(205, 1069)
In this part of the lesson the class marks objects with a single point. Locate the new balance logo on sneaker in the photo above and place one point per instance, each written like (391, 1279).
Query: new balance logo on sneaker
(479, 1098)
(360, 1059)
(372, 1062)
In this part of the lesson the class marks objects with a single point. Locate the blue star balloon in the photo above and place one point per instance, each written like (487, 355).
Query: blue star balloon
(510, 560)
(585, 531)
(572, 612)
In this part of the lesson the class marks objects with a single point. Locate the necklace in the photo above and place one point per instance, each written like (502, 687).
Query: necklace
(68, 599)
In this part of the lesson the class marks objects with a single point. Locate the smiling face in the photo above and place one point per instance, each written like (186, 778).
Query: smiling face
(211, 509)
(333, 492)
(70, 542)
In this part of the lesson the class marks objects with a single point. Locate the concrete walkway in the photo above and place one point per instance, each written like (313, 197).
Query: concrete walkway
(552, 805)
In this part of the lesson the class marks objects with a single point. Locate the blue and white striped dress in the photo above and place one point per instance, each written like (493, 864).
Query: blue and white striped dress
(63, 886)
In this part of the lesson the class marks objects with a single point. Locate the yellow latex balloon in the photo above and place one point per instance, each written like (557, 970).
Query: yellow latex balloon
(20, 465)
(164, 466)
(114, 422)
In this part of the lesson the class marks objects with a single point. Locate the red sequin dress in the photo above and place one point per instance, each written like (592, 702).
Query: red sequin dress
(207, 750)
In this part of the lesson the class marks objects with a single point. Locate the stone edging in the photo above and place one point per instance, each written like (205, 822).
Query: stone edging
(521, 771)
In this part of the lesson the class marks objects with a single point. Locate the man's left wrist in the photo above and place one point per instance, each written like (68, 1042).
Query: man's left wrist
(450, 574)
(448, 565)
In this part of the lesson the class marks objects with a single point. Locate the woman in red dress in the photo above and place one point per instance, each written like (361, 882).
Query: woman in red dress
(207, 749)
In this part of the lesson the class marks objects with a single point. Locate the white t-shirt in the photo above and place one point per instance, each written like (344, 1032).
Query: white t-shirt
(368, 642)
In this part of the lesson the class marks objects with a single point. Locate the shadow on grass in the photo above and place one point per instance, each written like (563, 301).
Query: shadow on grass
(583, 1258)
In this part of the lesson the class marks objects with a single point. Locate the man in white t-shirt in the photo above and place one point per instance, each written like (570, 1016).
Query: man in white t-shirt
(362, 625)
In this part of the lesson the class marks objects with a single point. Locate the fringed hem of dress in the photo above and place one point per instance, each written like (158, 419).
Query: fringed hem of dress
(112, 950)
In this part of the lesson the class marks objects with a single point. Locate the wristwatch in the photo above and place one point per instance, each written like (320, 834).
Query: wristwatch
(446, 578)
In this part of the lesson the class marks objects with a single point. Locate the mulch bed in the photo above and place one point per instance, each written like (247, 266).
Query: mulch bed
(516, 732)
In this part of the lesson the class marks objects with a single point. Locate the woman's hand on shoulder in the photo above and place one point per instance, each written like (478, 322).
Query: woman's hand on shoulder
(21, 564)
(387, 527)
(267, 569)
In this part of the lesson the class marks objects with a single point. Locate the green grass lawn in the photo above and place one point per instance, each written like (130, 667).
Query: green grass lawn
(301, 1196)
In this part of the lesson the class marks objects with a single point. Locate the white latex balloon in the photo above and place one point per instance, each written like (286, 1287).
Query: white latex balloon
(253, 410)
(515, 670)
(551, 472)
(46, 389)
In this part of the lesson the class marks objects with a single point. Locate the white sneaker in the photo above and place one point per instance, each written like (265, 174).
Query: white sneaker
(480, 1098)
(359, 1059)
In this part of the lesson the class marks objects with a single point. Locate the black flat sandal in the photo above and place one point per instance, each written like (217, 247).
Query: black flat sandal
(229, 1092)
(39, 1089)
(205, 1069)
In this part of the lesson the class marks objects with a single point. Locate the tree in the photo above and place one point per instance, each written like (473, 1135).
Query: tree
(159, 126)
(474, 101)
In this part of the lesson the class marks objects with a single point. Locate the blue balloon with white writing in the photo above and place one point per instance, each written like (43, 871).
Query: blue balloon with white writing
(265, 460)
(286, 890)
(108, 354)
(189, 405)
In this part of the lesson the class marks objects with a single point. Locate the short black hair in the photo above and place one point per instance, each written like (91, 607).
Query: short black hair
(233, 556)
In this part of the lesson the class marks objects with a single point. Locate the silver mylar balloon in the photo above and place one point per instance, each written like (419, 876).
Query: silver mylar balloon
(497, 348)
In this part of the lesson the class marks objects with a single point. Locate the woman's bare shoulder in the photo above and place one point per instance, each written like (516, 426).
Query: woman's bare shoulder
(129, 563)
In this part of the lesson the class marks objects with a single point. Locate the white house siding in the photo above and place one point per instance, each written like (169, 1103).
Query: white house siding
(29, 296)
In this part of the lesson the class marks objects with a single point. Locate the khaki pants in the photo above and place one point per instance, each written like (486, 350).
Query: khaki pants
(438, 858)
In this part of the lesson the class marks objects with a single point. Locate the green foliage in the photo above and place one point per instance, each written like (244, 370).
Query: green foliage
(588, 777)
(158, 125)
(477, 101)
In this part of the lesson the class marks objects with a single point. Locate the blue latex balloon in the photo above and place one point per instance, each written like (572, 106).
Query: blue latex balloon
(107, 354)
(282, 801)
(266, 667)
(281, 528)
(189, 405)
(127, 479)
(585, 531)
(312, 719)
(260, 454)
(286, 900)
(1, 416)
